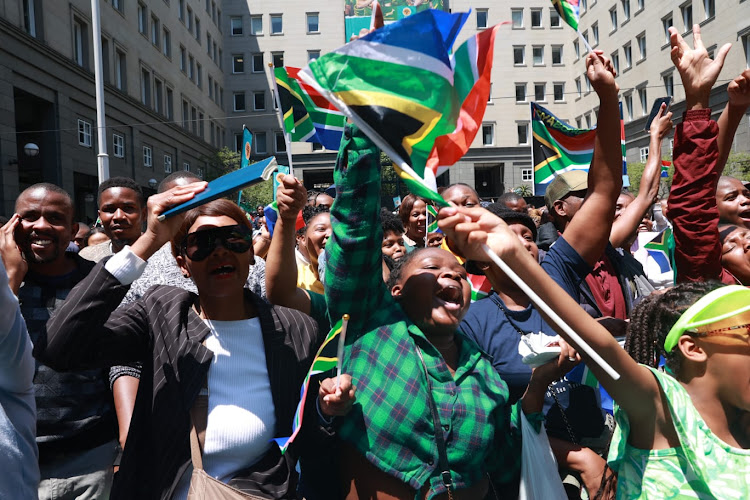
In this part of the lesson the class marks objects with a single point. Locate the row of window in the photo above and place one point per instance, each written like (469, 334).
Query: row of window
(192, 22)
(194, 72)
(517, 18)
(118, 148)
(640, 4)
(276, 24)
(540, 92)
(537, 54)
(488, 134)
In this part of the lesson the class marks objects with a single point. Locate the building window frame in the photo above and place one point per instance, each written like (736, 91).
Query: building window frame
(148, 157)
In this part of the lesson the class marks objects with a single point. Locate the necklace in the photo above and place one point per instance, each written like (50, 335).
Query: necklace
(510, 319)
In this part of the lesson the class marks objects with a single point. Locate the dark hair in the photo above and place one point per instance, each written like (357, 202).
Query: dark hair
(169, 181)
(404, 210)
(509, 197)
(627, 192)
(652, 319)
(309, 212)
(513, 217)
(93, 231)
(399, 266)
(390, 222)
(461, 184)
(3, 220)
(123, 182)
(52, 188)
(215, 208)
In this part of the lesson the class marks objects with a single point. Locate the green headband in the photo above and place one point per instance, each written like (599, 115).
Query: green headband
(718, 305)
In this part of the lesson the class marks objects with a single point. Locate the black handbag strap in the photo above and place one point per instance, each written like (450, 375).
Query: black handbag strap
(445, 471)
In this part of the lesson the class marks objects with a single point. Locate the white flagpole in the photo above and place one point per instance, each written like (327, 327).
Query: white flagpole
(102, 157)
(287, 141)
(375, 137)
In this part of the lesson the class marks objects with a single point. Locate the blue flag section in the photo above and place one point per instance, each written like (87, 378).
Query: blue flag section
(247, 147)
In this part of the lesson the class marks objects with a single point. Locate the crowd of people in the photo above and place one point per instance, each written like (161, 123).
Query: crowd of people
(167, 362)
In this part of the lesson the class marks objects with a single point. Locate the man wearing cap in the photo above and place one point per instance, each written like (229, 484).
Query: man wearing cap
(615, 284)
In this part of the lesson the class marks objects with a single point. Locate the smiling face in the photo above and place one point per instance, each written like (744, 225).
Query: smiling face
(735, 254)
(46, 226)
(417, 224)
(433, 291)
(122, 215)
(317, 232)
(223, 273)
(733, 201)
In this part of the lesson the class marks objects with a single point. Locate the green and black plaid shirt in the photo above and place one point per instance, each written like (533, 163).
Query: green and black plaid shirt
(391, 423)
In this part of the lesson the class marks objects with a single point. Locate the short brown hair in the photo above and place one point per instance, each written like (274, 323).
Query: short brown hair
(215, 208)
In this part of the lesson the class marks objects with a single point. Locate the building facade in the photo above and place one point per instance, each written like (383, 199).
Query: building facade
(158, 60)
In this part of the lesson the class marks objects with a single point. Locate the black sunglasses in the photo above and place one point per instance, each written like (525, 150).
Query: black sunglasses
(200, 244)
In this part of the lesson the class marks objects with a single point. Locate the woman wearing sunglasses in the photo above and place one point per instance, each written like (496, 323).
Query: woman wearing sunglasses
(247, 357)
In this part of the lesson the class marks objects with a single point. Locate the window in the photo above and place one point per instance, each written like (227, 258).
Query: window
(746, 46)
(201, 122)
(258, 63)
(256, 25)
(538, 55)
(167, 164)
(186, 166)
(210, 87)
(313, 54)
(628, 51)
(148, 157)
(517, 17)
(218, 19)
(523, 133)
(189, 24)
(239, 101)
(482, 15)
(169, 104)
(198, 30)
(625, 10)
(191, 68)
(200, 172)
(520, 92)
(312, 22)
(235, 26)
(554, 19)
(669, 84)
(488, 134)
(578, 87)
(558, 89)
(142, 19)
(629, 106)
(595, 33)
(220, 62)
(579, 122)
(584, 6)
(146, 87)
(278, 59)
(80, 43)
(643, 154)
(181, 10)
(238, 143)
(641, 39)
(166, 43)
(208, 43)
(277, 24)
(587, 116)
(613, 18)
(183, 59)
(540, 90)
(260, 143)
(280, 142)
(213, 52)
(276, 104)
(30, 17)
(588, 83)
(536, 18)
(158, 96)
(238, 63)
(557, 54)
(155, 31)
(527, 175)
(118, 145)
(644, 100)
(667, 23)
(120, 70)
(686, 11)
(640, 4)
(577, 49)
(519, 57)
(185, 114)
(709, 7)
(199, 75)
(84, 133)
(259, 101)
(194, 119)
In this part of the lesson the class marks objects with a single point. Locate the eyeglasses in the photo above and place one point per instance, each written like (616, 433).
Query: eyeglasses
(200, 244)
(739, 331)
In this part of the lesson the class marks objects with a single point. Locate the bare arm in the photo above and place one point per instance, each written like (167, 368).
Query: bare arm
(605, 173)
(281, 265)
(624, 227)
(124, 391)
(739, 100)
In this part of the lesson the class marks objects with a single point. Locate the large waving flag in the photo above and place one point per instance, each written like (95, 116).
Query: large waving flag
(557, 147)
(326, 359)
(569, 11)
(307, 116)
(401, 86)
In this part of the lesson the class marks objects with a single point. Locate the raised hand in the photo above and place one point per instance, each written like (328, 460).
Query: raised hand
(15, 264)
(698, 71)
(336, 403)
(291, 197)
(470, 228)
(662, 124)
(601, 73)
(739, 90)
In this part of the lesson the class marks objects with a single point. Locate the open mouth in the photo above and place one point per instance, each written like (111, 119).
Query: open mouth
(745, 216)
(451, 298)
(224, 270)
(40, 241)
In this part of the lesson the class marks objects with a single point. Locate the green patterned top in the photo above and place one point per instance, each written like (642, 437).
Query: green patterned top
(702, 467)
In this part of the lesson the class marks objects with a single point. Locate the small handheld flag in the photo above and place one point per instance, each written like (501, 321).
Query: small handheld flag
(247, 146)
(432, 219)
(665, 168)
(340, 351)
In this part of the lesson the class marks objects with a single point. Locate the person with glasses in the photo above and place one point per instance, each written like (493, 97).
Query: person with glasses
(248, 357)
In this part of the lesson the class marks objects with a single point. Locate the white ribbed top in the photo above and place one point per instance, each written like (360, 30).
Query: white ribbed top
(241, 418)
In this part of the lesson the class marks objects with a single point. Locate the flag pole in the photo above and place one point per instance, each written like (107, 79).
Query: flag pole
(288, 144)
(400, 163)
(585, 42)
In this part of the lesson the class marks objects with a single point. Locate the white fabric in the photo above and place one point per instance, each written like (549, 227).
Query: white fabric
(652, 270)
(125, 266)
(241, 418)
